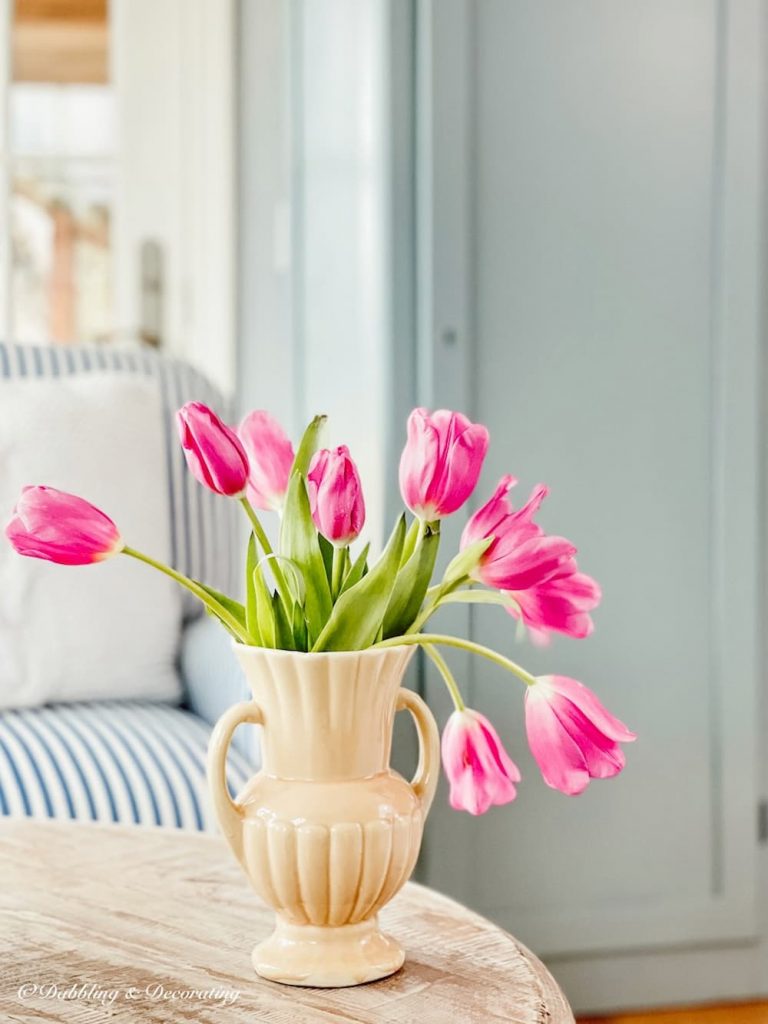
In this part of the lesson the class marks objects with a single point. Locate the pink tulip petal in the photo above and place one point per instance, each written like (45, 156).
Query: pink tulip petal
(213, 451)
(336, 495)
(517, 568)
(441, 461)
(560, 761)
(60, 527)
(532, 506)
(603, 756)
(588, 704)
(270, 458)
(466, 795)
(560, 603)
(479, 770)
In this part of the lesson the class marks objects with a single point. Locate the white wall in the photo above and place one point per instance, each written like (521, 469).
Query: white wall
(316, 233)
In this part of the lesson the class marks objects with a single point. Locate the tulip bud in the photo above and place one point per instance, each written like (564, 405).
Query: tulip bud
(441, 462)
(270, 458)
(336, 495)
(213, 452)
(62, 528)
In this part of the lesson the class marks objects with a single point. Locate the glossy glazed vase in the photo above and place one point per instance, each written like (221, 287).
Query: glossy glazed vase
(326, 832)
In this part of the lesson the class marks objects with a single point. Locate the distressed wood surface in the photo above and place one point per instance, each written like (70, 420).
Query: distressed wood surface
(101, 923)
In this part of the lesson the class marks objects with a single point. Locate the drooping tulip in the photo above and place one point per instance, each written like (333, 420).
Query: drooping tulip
(572, 737)
(441, 462)
(478, 768)
(213, 451)
(336, 495)
(561, 603)
(521, 555)
(270, 458)
(62, 528)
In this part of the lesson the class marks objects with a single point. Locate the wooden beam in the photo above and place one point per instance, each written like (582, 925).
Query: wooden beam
(60, 10)
(66, 52)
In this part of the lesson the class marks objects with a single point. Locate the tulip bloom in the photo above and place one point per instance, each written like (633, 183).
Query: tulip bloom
(336, 495)
(521, 555)
(562, 603)
(441, 462)
(270, 458)
(572, 737)
(476, 764)
(213, 452)
(62, 528)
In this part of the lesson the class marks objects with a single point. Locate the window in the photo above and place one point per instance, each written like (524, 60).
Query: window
(117, 175)
(59, 165)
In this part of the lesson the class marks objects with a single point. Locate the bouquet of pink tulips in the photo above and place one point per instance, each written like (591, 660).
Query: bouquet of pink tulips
(311, 594)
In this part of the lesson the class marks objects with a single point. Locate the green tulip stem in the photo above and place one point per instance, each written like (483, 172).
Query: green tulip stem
(465, 645)
(448, 678)
(434, 598)
(280, 581)
(194, 588)
(337, 572)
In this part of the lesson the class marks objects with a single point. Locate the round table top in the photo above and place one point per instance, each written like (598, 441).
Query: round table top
(136, 924)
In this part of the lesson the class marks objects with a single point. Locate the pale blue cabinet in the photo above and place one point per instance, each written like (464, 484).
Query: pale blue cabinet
(594, 172)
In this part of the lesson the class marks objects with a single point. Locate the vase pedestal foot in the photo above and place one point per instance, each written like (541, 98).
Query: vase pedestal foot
(326, 957)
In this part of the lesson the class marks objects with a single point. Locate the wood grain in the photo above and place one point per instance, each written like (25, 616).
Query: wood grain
(128, 909)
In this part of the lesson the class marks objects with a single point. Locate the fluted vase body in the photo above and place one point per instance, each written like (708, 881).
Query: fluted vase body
(326, 832)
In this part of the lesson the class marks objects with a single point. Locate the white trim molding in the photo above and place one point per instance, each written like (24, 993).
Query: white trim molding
(174, 73)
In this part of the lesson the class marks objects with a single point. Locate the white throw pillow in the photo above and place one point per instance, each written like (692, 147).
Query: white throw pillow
(103, 631)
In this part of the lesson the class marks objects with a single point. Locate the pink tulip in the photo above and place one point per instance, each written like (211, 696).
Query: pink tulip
(441, 462)
(521, 555)
(336, 495)
(571, 735)
(476, 764)
(61, 527)
(562, 603)
(270, 457)
(213, 451)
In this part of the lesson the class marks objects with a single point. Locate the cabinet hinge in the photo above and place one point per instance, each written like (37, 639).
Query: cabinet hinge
(762, 822)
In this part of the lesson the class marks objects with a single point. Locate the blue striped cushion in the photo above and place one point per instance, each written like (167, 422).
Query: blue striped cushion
(203, 526)
(124, 762)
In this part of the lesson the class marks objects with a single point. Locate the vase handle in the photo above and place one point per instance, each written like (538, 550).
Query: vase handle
(228, 811)
(424, 782)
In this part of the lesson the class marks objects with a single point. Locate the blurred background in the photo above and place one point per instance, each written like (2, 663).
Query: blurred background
(547, 214)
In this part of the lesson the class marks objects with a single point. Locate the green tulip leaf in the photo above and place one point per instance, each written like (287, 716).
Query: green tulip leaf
(283, 628)
(357, 570)
(265, 615)
(358, 614)
(412, 582)
(300, 636)
(414, 532)
(326, 549)
(299, 542)
(235, 608)
(308, 445)
(251, 615)
(465, 563)
(232, 633)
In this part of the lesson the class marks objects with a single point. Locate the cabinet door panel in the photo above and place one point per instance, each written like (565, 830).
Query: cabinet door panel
(615, 198)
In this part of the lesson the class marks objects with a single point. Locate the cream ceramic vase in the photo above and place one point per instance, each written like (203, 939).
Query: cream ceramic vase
(326, 832)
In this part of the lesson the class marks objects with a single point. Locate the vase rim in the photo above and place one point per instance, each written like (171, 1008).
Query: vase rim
(279, 651)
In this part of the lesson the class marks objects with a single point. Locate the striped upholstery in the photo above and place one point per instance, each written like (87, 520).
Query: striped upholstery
(123, 762)
(130, 761)
(203, 525)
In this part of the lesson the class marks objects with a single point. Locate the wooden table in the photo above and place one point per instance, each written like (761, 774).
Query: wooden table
(101, 923)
